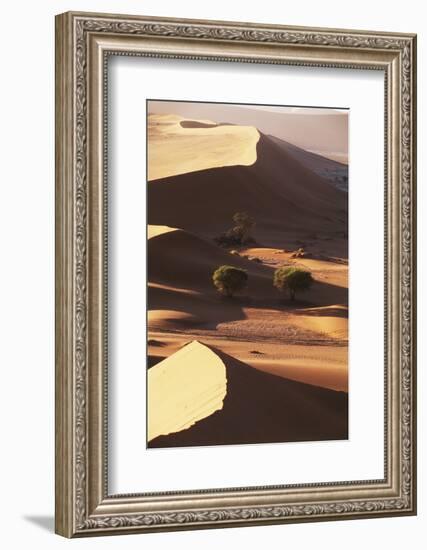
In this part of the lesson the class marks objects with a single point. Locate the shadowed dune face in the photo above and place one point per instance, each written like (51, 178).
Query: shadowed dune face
(257, 407)
(277, 190)
(187, 261)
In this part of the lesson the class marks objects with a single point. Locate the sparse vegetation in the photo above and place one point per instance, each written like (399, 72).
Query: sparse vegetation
(228, 280)
(240, 233)
(293, 280)
(243, 226)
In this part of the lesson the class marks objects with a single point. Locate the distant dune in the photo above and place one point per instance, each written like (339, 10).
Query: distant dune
(328, 168)
(277, 190)
(313, 161)
(178, 146)
(220, 400)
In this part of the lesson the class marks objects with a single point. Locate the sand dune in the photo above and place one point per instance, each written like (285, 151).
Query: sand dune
(183, 389)
(277, 190)
(334, 327)
(177, 146)
(256, 406)
(186, 261)
(181, 294)
(322, 130)
(157, 230)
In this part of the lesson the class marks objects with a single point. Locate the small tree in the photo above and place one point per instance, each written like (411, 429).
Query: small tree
(240, 233)
(228, 279)
(243, 227)
(292, 279)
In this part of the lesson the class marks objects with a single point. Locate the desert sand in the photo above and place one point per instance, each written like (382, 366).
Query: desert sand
(184, 388)
(177, 145)
(303, 345)
(223, 401)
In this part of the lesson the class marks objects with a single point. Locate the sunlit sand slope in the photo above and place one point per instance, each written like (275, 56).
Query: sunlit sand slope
(184, 388)
(177, 146)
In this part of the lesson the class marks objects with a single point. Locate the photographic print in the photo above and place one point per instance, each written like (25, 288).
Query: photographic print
(247, 274)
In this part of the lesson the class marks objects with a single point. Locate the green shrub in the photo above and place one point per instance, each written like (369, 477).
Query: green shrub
(293, 280)
(228, 279)
(243, 225)
(240, 233)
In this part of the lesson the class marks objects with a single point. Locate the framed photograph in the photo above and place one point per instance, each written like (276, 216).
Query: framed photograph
(235, 274)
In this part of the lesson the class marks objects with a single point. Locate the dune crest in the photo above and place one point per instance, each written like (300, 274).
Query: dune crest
(186, 387)
(179, 146)
(157, 230)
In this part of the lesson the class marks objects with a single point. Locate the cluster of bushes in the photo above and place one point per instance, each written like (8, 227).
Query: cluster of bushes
(228, 280)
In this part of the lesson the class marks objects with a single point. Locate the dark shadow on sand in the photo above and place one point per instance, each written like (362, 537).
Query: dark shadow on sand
(211, 309)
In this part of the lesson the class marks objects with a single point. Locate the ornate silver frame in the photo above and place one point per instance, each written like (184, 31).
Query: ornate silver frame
(83, 42)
